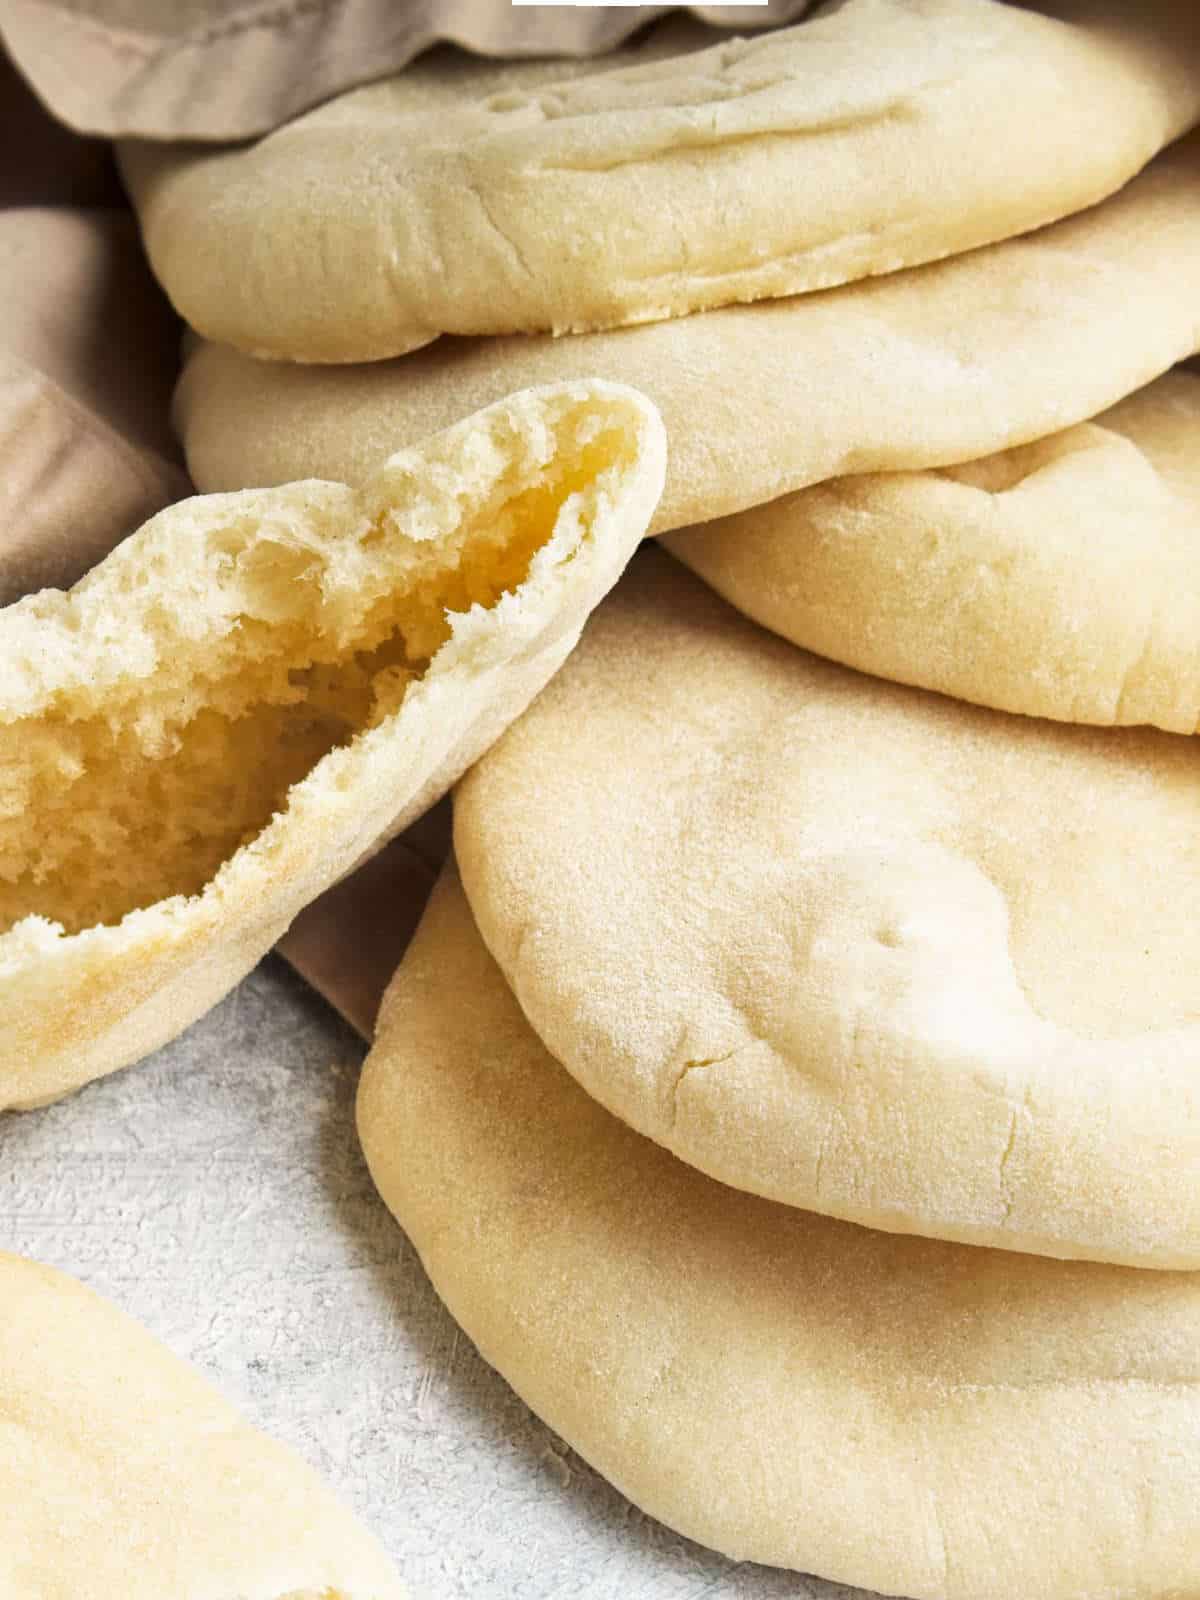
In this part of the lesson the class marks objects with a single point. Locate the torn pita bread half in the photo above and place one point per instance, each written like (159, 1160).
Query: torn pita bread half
(914, 1417)
(851, 945)
(1060, 579)
(122, 1472)
(258, 690)
(939, 364)
(876, 136)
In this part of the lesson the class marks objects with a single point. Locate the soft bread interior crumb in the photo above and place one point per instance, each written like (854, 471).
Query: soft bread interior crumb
(301, 632)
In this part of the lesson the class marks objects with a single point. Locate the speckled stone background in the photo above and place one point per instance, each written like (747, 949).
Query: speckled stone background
(217, 1193)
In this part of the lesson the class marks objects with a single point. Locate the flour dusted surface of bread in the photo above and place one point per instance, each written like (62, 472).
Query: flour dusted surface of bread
(914, 1417)
(1060, 578)
(919, 369)
(877, 135)
(854, 946)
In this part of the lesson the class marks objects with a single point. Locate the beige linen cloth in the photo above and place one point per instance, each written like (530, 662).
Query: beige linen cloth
(226, 69)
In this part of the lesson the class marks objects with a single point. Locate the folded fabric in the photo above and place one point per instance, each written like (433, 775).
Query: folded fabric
(41, 162)
(876, 136)
(224, 69)
(88, 354)
(386, 895)
(123, 1473)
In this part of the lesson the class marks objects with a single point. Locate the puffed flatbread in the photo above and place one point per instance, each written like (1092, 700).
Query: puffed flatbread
(1060, 579)
(429, 95)
(123, 1473)
(920, 369)
(880, 134)
(850, 945)
(256, 691)
(912, 1416)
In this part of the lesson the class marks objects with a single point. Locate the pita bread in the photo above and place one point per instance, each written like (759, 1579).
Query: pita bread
(854, 946)
(880, 134)
(161, 177)
(1060, 579)
(919, 369)
(123, 1473)
(907, 1415)
(256, 691)
(88, 356)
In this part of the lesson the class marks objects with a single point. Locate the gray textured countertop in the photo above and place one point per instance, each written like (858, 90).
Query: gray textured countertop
(217, 1193)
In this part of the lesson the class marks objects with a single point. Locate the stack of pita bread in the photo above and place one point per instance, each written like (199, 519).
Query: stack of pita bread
(790, 1086)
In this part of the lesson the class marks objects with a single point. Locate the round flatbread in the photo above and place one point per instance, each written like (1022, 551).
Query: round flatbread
(123, 1473)
(880, 134)
(163, 176)
(256, 691)
(912, 1416)
(941, 364)
(850, 945)
(1060, 579)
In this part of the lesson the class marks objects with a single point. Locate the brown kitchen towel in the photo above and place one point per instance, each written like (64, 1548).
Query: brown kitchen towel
(348, 943)
(227, 69)
(88, 353)
(41, 162)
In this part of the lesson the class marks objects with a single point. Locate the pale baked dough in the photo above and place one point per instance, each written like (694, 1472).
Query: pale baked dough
(165, 178)
(919, 369)
(124, 1474)
(880, 134)
(1060, 579)
(255, 691)
(907, 1415)
(850, 945)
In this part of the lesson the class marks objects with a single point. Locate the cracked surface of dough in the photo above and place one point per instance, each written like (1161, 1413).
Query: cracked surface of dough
(911, 1416)
(851, 945)
(879, 134)
(940, 364)
(122, 1472)
(1060, 579)
(256, 691)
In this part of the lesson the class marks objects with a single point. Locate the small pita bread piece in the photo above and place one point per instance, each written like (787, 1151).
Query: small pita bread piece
(256, 691)
(880, 134)
(1060, 579)
(850, 945)
(915, 1417)
(919, 369)
(123, 1473)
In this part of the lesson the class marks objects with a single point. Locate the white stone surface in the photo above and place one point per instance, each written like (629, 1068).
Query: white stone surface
(217, 1193)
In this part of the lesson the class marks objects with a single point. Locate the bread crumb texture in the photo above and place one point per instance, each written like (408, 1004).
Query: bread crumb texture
(197, 719)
